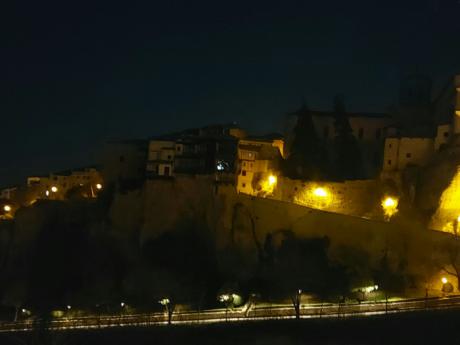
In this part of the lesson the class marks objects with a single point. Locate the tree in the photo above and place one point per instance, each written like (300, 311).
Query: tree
(175, 268)
(453, 256)
(308, 158)
(347, 160)
(390, 280)
(302, 265)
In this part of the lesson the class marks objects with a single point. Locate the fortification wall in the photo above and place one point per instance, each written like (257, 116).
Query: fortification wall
(245, 221)
(357, 198)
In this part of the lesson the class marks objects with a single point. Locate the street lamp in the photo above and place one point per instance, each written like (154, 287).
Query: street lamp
(390, 206)
(321, 192)
(54, 189)
(166, 303)
(7, 208)
(98, 186)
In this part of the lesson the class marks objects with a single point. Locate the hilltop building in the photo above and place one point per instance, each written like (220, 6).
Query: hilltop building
(368, 128)
(206, 150)
(413, 142)
(123, 161)
(57, 185)
(258, 161)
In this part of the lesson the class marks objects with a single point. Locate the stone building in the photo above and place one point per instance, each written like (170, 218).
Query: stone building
(56, 185)
(368, 128)
(258, 164)
(206, 150)
(124, 160)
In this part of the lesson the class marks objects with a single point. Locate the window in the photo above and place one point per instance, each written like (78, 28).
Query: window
(361, 133)
(408, 155)
(178, 148)
(243, 172)
(446, 134)
(169, 157)
(326, 131)
(244, 185)
(244, 164)
(166, 171)
(378, 133)
(389, 162)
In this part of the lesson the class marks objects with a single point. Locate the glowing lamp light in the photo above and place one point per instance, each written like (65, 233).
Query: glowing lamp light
(390, 206)
(272, 179)
(7, 208)
(69, 307)
(47, 193)
(24, 310)
(389, 202)
(164, 301)
(54, 189)
(122, 304)
(320, 192)
(224, 298)
(444, 280)
(98, 186)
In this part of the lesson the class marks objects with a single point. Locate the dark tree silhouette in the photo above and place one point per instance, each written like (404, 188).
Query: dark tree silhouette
(302, 265)
(308, 158)
(347, 161)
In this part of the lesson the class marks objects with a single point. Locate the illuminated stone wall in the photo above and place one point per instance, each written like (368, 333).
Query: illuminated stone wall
(357, 198)
(448, 210)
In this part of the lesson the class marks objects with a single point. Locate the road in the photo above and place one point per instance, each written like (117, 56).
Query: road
(246, 313)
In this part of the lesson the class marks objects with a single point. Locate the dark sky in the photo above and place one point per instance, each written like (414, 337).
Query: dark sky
(75, 74)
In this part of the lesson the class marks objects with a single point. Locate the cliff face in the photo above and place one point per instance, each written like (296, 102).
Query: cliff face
(244, 222)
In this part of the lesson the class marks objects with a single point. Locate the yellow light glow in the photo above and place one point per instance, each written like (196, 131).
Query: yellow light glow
(389, 202)
(321, 192)
(448, 207)
(7, 208)
(315, 197)
(444, 280)
(54, 189)
(268, 184)
(98, 186)
(390, 206)
(47, 193)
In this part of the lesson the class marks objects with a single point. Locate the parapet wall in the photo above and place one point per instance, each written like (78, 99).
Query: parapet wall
(357, 198)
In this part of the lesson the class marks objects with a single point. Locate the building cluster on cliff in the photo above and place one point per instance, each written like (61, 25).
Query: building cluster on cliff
(323, 159)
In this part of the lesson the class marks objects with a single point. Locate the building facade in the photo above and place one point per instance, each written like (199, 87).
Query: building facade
(258, 164)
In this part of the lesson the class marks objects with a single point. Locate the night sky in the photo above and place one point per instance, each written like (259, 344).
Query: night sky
(74, 75)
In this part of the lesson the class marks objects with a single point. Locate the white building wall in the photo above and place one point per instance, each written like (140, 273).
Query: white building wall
(390, 155)
(443, 135)
(400, 153)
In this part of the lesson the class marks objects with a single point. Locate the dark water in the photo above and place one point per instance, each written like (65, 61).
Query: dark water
(421, 328)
